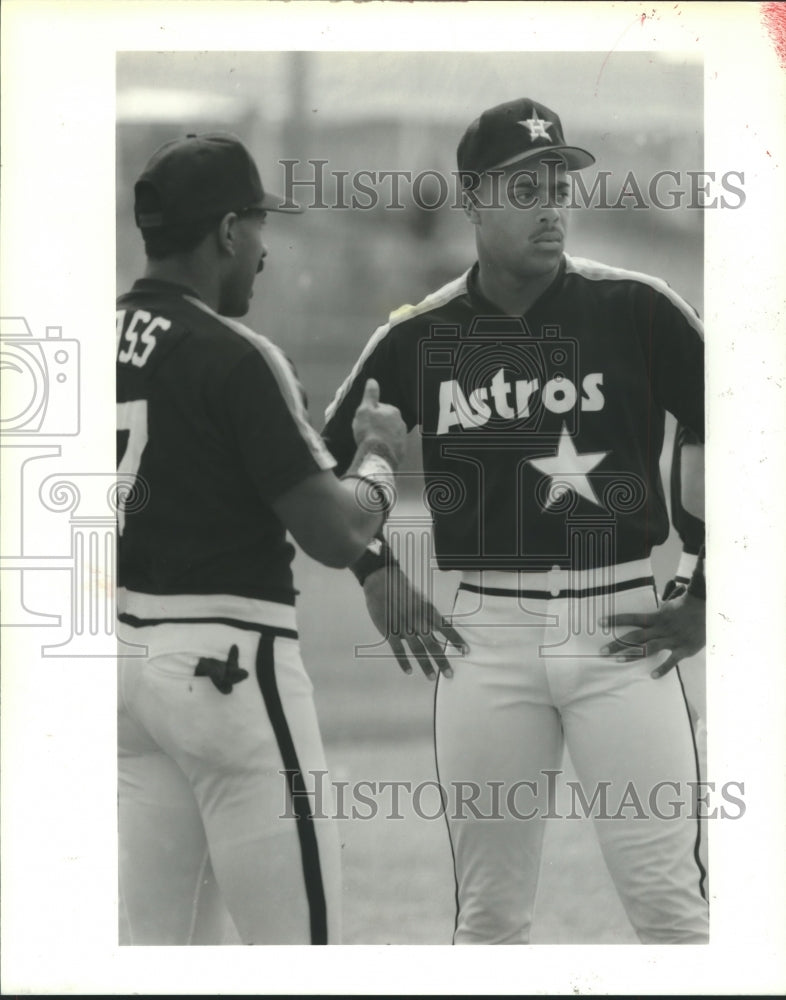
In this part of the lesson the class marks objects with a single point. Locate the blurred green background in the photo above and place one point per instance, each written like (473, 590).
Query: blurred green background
(331, 277)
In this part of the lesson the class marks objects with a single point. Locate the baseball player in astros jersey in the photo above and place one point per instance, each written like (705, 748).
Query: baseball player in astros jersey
(539, 384)
(687, 500)
(216, 725)
(687, 516)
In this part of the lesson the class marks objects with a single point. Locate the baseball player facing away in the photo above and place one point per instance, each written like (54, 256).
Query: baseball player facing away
(539, 384)
(216, 725)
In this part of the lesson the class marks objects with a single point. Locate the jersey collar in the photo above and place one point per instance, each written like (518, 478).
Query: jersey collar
(481, 304)
(159, 286)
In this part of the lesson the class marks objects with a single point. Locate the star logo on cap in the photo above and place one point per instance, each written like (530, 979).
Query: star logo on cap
(568, 470)
(537, 127)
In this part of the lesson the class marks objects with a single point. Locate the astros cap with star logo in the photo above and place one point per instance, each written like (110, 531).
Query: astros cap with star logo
(513, 132)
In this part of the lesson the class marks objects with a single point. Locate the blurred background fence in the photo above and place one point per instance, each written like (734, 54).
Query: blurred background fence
(333, 275)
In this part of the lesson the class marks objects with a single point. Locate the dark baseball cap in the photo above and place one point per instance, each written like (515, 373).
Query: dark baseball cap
(201, 177)
(510, 133)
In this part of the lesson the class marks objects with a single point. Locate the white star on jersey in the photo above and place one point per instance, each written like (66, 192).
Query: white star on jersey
(537, 127)
(568, 470)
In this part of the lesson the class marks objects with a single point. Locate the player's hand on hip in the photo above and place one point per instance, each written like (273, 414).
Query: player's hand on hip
(411, 624)
(379, 423)
(678, 625)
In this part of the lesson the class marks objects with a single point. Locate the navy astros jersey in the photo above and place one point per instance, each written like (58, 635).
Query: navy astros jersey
(212, 422)
(534, 427)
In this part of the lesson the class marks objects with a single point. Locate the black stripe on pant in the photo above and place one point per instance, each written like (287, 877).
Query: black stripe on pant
(699, 777)
(309, 848)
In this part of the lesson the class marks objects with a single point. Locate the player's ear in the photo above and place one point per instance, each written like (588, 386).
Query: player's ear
(226, 233)
(469, 202)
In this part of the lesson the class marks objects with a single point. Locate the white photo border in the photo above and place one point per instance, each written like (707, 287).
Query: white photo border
(58, 238)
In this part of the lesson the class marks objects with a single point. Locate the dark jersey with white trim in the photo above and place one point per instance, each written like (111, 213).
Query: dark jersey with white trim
(541, 434)
(212, 427)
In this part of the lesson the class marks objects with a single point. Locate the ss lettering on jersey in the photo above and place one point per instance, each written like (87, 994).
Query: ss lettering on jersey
(512, 400)
(136, 335)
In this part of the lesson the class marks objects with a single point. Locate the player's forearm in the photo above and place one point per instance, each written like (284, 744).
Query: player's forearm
(354, 524)
(369, 481)
(332, 520)
(692, 470)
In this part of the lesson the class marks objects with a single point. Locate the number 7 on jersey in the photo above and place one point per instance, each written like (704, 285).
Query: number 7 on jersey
(131, 441)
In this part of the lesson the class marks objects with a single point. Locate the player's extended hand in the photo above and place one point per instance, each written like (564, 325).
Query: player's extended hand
(381, 422)
(678, 625)
(409, 622)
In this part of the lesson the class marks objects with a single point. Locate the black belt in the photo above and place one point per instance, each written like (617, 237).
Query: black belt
(274, 630)
(541, 595)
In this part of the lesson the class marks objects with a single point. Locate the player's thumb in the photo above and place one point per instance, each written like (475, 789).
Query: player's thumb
(371, 393)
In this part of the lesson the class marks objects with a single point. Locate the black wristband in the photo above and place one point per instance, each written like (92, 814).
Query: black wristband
(698, 585)
(377, 556)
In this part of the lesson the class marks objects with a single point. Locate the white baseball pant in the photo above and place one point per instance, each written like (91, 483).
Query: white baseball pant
(214, 788)
(533, 680)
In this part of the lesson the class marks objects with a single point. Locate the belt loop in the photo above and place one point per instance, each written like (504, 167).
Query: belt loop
(555, 580)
